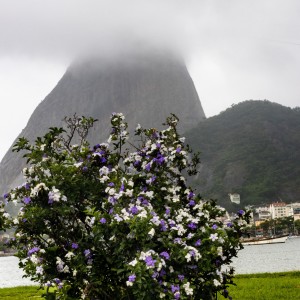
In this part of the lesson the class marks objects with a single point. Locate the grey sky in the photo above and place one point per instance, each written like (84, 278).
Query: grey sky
(235, 49)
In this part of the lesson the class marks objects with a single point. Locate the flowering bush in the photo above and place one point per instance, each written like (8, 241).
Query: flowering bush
(105, 222)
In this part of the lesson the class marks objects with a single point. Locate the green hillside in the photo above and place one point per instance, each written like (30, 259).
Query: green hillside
(252, 148)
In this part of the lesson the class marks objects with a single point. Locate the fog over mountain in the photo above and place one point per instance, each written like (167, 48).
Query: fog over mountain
(145, 87)
(234, 50)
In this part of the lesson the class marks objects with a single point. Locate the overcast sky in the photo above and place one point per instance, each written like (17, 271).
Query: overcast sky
(235, 49)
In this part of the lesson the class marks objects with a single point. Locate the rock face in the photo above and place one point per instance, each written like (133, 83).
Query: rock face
(145, 88)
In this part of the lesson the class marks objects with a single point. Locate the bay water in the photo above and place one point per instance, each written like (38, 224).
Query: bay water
(252, 259)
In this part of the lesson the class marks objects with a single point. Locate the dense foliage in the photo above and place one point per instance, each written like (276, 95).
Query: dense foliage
(105, 222)
(252, 149)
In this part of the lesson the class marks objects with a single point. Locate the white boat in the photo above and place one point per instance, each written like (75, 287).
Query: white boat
(262, 241)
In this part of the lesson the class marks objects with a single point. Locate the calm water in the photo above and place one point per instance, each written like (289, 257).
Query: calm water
(252, 259)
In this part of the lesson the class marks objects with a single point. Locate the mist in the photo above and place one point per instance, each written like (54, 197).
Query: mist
(234, 50)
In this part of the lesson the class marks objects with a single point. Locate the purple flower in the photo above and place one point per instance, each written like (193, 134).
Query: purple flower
(102, 220)
(74, 246)
(33, 250)
(172, 223)
(145, 202)
(111, 184)
(174, 288)
(5, 196)
(27, 186)
(168, 210)
(191, 195)
(87, 253)
(163, 225)
(118, 218)
(192, 203)
(112, 200)
(24, 220)
(192, 267)
(241, 212)
(178, 150)
(214, 227)
(148, 167)
(57, 281)
(165, 254)
(180, 277)
(27, 200)
(111, 211)
(134, 210)
(150, 262)
(132, 278)
(192, 225)
(136, 163)
(84, 169)
(151, 180)
(229, 224)
(160, 159)
(122, 188)
(198, 243)
(177, 241)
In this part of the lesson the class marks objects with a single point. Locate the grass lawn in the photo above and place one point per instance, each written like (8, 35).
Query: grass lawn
(266, 286)
(21, 293)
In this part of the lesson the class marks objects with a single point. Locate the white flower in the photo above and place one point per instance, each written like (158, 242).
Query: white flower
(69, 255)
(104, 171)
(142, 214)
(149, 194)
(175, 198)
(213, 236)
(37, 188)
(129, 283)
(128, 193)
(220, 251)
(138, 127)
(216, 282)
(47, 173)
(118, 218)
(188, 257)
(151, 232)
(188, 290)
(39, 270)
(54, 195)
(155, 220)
(34, 259)
(133, 263)
(130, 183)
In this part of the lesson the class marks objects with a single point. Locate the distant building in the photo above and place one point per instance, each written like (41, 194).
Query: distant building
(235, 198)
(264, 215)
(280, 210)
